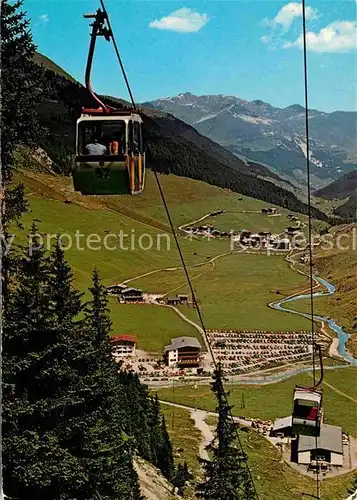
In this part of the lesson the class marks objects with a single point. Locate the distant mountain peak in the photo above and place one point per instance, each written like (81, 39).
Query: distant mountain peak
(296, 107)
(259, 102)
(186, 94)
(272, 136)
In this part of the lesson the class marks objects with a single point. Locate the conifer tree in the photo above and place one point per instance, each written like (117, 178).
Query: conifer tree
(226, 475)
(22, 90)
(35, 465)
(108, 454)
(180, 476)
(135, 412)
(62, 437)
(165, 454)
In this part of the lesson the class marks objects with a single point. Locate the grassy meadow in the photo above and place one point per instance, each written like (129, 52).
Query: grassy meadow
(273, 478)
(236, 290)
(275, 400)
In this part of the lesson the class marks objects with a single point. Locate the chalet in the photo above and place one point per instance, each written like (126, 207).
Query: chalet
(116, 289)
(183, 352)
(292, 217)
(205, 229)
(131, 295)
(123, 345)
(325, 450)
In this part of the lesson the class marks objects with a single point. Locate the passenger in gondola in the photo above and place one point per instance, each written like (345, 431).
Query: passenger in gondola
(116, 145)
(95, 148)
(313, 414)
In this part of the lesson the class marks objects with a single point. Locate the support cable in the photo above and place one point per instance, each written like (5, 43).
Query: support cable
(313, 333)
(194, 299)
(118, 55)
(308, 173)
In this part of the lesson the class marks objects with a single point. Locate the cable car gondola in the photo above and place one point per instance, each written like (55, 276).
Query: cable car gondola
(110, 156)
(307, 411)
(307, 406)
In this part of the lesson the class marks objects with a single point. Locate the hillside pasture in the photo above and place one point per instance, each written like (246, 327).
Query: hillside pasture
(273, 401)
(236, 290)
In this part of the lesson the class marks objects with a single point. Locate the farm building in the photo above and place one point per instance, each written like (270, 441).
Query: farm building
(173, 301)
(183, 298)
(183, 352)
(123, 345)
(177, 300)
(329, 449)
(282, 427)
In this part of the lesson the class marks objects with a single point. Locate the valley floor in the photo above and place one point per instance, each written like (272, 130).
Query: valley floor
(234, 290)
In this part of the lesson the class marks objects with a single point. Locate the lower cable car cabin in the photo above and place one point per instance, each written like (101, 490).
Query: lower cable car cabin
(110, 157)
(307, 411)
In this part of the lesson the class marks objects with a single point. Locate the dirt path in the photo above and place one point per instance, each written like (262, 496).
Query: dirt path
(199, 417)
(340, 392)
(176, 268)
(224, 212)
(195, 221)
(190, 322)
(241, 421)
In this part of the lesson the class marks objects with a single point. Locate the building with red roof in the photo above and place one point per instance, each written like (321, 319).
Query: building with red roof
(124, 344)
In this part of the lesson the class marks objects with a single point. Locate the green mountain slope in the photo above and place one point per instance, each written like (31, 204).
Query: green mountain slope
(44, 61)
(348, 209)
(60, 210)
(341, 188)
(176, 147)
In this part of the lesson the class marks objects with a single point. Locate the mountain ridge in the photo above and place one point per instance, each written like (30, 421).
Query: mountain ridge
(270, 135)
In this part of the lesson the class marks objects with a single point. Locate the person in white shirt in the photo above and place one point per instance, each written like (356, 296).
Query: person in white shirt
(94, 148)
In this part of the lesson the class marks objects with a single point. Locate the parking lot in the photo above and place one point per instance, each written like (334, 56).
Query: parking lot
(242, 350)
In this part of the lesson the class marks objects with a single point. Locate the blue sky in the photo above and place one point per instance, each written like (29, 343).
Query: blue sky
(243, 48)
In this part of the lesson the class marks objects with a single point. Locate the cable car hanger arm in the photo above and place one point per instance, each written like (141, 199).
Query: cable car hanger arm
(98, 30)
(317, 347)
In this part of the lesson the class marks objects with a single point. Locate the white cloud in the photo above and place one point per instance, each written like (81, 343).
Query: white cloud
(340, 36)
(287, 14)
(284, 20)
(183, 21)
(44, 18)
